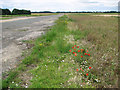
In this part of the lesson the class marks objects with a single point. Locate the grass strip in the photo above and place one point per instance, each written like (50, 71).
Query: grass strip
(48, 55)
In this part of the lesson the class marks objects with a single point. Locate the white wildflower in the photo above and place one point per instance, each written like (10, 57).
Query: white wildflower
(16, 84)
(96, 80)
(26, 86)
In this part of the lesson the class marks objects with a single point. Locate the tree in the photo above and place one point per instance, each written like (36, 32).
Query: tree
(15, 12)
(6, 12)
(0, 11)
(20, 12)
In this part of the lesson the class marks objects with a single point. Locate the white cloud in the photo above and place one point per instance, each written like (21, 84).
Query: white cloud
(59, 5)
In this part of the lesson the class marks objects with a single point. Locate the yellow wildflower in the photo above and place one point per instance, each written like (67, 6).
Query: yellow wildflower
(41, 44)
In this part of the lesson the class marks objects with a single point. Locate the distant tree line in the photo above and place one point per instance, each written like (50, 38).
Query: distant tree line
(18, 12)
(87, 12)
(14, 12)
(5, 12)
(28, 12)
(44, 12)
(77, 12)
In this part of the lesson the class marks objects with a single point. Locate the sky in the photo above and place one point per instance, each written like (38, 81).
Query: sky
(61, 5)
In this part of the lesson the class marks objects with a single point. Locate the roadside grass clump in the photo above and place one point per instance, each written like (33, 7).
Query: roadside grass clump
(61, 46)
(28, 60)
(50, 35)
(78, 34)
(9, 79)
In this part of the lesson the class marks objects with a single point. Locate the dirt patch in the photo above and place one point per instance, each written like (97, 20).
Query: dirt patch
(27, 76)
(31, 36)
(10, 56)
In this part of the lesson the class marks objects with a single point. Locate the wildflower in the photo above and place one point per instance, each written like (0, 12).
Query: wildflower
(78, 50)
(85, 53)
(82, 50)
(89, 67)
(62, 60)
(26, 86)
(87, 50)
(16, 84)
(97, 80)
(77, 46)
(86, 74)
(72, 47)
(40, 44)
(73, 52)
(77, 69)
(81, 69)
(81, 56)
(88, 54)
(70, 50)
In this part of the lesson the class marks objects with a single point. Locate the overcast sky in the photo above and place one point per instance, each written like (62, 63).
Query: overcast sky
(61, 5)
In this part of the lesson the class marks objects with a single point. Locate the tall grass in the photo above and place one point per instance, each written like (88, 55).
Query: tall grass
(100, 35)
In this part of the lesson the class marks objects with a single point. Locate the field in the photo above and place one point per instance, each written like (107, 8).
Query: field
(42, 14)
(50, 63)
(4, 17)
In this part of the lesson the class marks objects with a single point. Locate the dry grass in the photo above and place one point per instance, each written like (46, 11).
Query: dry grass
(42, 14)
(102, 40)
